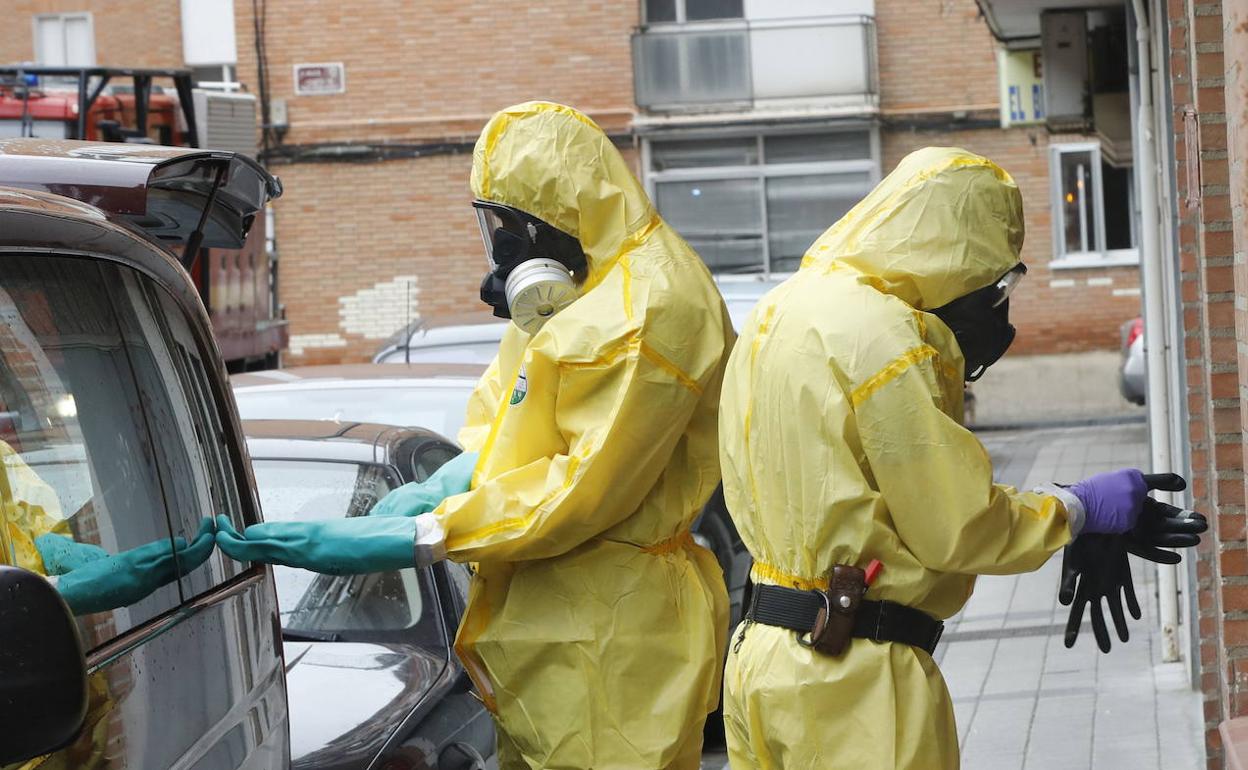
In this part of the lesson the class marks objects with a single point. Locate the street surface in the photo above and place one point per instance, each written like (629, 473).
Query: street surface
(1025, 701)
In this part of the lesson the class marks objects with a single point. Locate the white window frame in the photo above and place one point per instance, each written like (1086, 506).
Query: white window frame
(682, 16)
(1097, 255)
(62, 17)
(763, 172)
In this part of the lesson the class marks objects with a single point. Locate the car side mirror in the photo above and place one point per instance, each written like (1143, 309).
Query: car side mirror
(43, 674)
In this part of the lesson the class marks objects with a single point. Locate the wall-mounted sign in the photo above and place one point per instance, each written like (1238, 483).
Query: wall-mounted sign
(1022, 87)
(317, 79)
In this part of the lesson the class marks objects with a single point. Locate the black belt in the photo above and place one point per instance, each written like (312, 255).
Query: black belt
(878, 621)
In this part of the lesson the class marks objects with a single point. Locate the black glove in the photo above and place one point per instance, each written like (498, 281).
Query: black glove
(1165, 526)
(1095, 567)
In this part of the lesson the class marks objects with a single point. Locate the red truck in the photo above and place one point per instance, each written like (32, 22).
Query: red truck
(239, 287)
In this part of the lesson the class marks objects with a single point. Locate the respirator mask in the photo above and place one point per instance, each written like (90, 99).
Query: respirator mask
(533, 266)
(980, 322)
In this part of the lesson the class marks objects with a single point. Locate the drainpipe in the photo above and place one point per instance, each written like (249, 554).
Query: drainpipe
(1157, 343)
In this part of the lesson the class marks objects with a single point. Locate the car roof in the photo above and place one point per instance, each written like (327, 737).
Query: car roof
(165, 193)
(43, 225)
(348, 375)
(329, 440)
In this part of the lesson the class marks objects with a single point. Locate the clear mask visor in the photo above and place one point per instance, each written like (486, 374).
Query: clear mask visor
(490, 223)
(1008, 282)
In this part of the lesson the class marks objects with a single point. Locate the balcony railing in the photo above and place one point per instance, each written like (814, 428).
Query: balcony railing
(740, 64)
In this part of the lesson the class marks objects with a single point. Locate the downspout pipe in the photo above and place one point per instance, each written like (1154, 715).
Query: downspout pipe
(1157, 344)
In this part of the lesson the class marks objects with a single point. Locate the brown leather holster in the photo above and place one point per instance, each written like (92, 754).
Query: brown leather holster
(834, 625)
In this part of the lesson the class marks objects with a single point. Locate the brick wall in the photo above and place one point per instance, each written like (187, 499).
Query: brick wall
(1211, 282)
(364, 244)
(438, 69)
(935, 55)
(128, 33)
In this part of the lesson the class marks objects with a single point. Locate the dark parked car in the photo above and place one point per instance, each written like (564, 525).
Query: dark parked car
(118, 433)
(370, 670)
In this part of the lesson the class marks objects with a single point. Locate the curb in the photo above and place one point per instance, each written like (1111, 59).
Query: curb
(1086, 422)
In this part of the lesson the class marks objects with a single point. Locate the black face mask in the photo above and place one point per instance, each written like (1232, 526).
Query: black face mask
(980, 322)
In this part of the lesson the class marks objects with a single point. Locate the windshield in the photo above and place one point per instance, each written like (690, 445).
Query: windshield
(382, 607)
(440, 409)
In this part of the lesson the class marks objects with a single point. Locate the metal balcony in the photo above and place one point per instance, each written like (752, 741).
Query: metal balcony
(747, 65)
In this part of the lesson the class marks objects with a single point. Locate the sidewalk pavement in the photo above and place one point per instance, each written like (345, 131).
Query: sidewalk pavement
(1020, 390)
(1021, 698)
(1025, 701)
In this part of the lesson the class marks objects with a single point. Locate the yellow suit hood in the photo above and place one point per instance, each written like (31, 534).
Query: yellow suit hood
(944, 223)
(555, 163)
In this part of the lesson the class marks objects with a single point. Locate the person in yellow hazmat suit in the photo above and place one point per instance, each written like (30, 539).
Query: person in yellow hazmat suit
(867, 506)
(596, 626)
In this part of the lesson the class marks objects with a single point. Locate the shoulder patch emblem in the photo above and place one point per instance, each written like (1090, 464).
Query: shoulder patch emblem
(522, 387)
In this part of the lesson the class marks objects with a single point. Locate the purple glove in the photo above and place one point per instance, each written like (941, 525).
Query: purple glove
(1112, 501)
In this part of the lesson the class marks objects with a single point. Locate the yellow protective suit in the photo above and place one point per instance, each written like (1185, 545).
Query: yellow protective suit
(841, 443)
(30, 508)
(595, 627)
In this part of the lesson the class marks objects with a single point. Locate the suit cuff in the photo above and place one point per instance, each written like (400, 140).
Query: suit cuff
(1076, 515)
(429, 546)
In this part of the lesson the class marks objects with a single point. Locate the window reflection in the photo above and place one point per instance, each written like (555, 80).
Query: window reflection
(364, 608)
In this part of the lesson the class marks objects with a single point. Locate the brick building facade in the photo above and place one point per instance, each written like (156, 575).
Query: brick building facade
(374, 227)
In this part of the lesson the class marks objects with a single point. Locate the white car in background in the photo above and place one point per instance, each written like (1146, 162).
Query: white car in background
(474, 337)
(431, 396)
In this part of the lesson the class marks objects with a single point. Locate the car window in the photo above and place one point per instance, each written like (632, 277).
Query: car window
(199, 455)
(429, 458)
(381, 607)
(437, 408)
(86, 427)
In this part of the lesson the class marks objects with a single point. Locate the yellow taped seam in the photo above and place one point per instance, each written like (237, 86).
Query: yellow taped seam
(628, 346)
(671, 544)
(612, 354)
(630, 243)
(765, 572)
(515, 522)
(658, 360)
(891, 372)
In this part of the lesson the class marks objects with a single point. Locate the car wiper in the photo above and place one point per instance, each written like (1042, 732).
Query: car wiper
(301, 635)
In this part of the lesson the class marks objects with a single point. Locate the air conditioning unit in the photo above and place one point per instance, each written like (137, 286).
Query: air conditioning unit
(227, 121)
(1064, 40)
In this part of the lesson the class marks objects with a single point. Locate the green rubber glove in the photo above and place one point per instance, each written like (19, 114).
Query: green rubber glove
(417, 497)
(63, 554)
(350, 546)
(95, 581)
